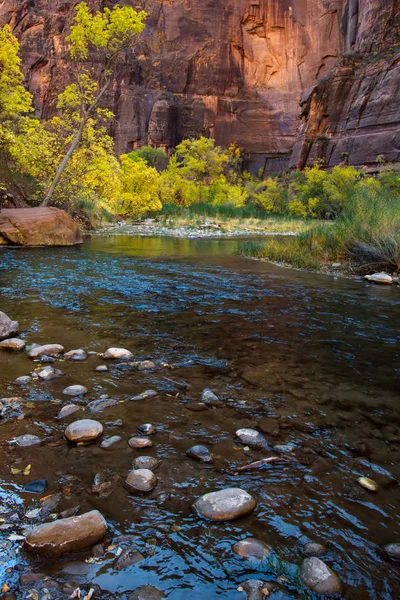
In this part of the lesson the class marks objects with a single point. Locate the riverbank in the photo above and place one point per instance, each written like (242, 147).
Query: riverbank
(206, 228)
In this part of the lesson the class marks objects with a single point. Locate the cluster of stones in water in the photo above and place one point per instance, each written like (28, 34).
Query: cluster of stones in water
(76, 533)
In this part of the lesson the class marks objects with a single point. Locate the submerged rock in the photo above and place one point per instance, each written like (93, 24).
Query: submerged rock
(319, 578)
(15, 344)
(28, 440)
(102, 368)
(120, 353)
(368, 484)
(84, 430)
(79, 354)
(380, 278)
(101, 404)
(145, 462)
(209, 398)
(255, 589)
(36, 487)
(46, 350)
(200, 453)
(75, 390)
(146, 592)
(146, 365)
(140, 442)
(23, 380)
(314, 549)
(67, 535)
(108, 442)
(7, 326)
(141, 480)
(252, 548)
(49, 373)
(129, 556)
(252, 438)
(67, 410)
(393, 550)
(147, 429)
(225, 505)
(144, 395)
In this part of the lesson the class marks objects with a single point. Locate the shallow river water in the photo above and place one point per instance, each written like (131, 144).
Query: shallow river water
(311, 361)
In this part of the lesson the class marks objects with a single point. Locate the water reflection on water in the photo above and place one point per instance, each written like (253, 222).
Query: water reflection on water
(315, 358)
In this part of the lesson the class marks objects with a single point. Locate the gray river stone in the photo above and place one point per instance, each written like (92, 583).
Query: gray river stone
(28, 440)
(101, 404)
(67, 535)
(79, 354)
(225, 505)
(141, 480)
(146, 592)
(147, 429)
(251, 437)
(252, 548)
(209, 398)
(46, 350)
(75, 390)
(120, 353)
(15, 344)
(67, 410)
(145, 462)
(140, 442)
(102, 368)
(23, 380)
(7, 326)
(255, 589)
(128, 557)
(85, 430)
(145, 395)
(146, 365)
(49, 373)
(200, 453)
(110, 441)
(319, 578)
(393, 550)
(314, 549)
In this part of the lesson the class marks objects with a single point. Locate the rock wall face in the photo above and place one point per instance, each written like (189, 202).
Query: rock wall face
(236, 70)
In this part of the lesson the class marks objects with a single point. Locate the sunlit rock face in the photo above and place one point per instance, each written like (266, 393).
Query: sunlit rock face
(236, 70)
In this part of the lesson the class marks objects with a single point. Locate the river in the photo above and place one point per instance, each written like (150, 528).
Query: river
(312, 360)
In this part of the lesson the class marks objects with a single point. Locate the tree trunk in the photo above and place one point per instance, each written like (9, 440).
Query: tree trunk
(75, 143)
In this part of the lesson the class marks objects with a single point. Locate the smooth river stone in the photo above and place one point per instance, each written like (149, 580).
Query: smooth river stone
(393, 550)
(120, 353)
(145, 462)
(128, 557)
(146, 429)
(48, 373)
(200, 453)
(13, 344)
(319, 578)
(368, 484)
(252, 548)
(23, 380)
(67, 410)
(146, 365)
(208, 397)
(67, 535)
(146, 592)
(102, 368)
(251, 437)
(7, 326)
(255, 589)
(225, 505)
(28, 440)
(101, 404)
(314, 549)
(46, 350)
(145, 395)
(108, 442)
(36, 487)
(140, 442)
(75, 390)
(141, 480)
(379, 278)
(79, 354)
(84, 430)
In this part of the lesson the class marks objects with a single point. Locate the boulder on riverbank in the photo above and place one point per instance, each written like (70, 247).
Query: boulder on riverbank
(7, 326)
(41, 226)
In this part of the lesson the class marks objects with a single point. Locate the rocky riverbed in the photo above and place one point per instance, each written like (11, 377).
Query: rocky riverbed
(138, 432)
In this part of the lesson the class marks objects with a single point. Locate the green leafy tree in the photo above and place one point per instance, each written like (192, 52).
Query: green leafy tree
(200, 160)
(108, 34)
(153, 157)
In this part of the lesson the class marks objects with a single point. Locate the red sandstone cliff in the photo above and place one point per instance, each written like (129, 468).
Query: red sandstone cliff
(237, 70)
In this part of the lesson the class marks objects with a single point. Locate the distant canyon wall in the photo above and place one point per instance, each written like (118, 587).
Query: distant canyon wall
(289, 81)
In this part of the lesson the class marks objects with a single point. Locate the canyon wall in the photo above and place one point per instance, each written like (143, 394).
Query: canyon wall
(289, 81)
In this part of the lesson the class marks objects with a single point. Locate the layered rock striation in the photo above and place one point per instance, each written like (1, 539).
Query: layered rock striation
(286, 80)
